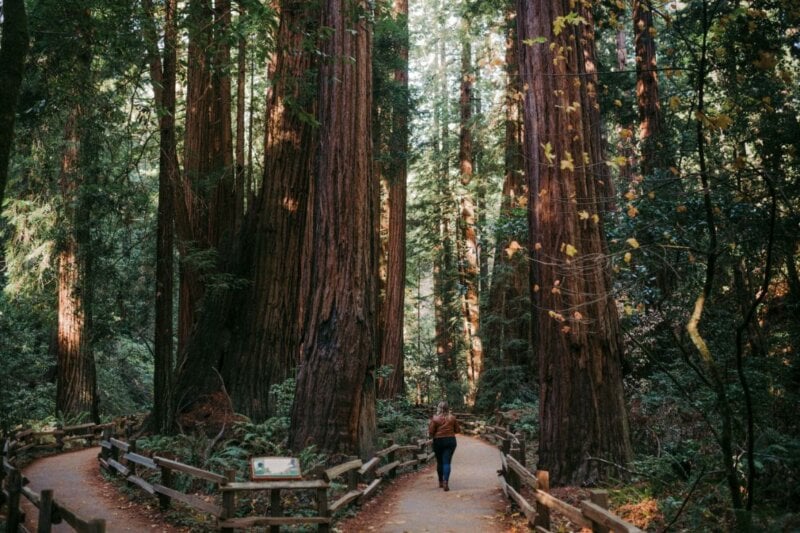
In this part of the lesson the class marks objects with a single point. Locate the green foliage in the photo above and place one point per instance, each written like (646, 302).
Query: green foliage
(27, 382)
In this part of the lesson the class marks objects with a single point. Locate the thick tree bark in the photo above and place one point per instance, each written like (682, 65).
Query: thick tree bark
(578, 340)
(394, 302)
(76, 384)
(650, 117)
(163, 74)
(334, 405)
(207, 215)
(266, 351)
(508, 331)
(470, 270)
(13, 49)
(241, 81)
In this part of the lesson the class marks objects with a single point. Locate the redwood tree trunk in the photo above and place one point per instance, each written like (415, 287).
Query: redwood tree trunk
(266, 349)
(444, 290)
(13, 49)
(508, 332)
(334, 405)
(650, 118)
(163, 74)
(470, 270)
(582, 409)
(207, 215)
(76, 384)
(394, 303)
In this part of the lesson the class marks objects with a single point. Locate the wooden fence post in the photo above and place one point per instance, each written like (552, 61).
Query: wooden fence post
(542, 511)
(514, 478)
(322, 509)
(229, 501)
(15, 517)
(59, 435)
(522, 451)
(275, 508)
(105, 436)
(166, 480)
(390, 459)
(599, 497)
(45, 511)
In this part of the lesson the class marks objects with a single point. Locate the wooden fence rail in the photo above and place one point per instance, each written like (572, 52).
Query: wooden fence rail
(50, 509)
(362, 479)
(592, 514)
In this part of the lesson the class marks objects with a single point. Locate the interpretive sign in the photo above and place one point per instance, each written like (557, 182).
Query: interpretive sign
(274, 468)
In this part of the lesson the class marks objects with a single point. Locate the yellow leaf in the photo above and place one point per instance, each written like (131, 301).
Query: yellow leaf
(625, 133)
(674, 171)
(720, 121)
(537, 246)
(628, 310)
(535, 288)
(630, 195)
(595, 218)
(513, 248)
(566, 329)
(577, 316)
(674, 103)
(651, 195)
(548, 152)
(583, 215)
(627, 257)
(570, 250)
(633, 243)
(567, 164)
(557, 316)
(618, 103)
(555, 290)
(681, 209)
(632, 211)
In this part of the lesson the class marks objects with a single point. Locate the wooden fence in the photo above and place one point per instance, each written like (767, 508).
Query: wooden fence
(362, 480)
(51, 510)
(592, 513)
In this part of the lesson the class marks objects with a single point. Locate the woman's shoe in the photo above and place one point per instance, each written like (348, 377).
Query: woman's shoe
(446, 486)
(441, 484)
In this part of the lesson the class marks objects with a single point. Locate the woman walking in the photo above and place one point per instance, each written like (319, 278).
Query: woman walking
(443, 428)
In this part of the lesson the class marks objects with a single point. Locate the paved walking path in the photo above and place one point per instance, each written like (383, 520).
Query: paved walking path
(76, 481)
(474, 503)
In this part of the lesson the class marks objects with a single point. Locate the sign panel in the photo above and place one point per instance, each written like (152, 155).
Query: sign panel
(274, 468)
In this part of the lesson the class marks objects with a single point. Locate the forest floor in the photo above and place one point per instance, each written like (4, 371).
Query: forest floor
(76, 481)
(415, 503)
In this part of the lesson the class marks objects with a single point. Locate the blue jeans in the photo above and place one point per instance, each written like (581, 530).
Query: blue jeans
(444, 447)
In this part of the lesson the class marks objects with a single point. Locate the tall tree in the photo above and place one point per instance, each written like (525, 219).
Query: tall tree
(207, 215)
(578, 338)
(508, 325)
(13, 49)
(393, 305)
(76, 384)
(334, 405)
(470, 262)
(446, 311)
(163, 73)
(650, 116)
